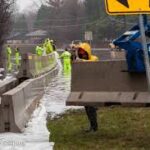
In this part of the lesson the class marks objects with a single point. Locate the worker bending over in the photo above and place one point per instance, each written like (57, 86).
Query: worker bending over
(48, 46)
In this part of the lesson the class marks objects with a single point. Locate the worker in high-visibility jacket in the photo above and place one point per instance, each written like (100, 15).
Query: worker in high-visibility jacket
(39, 50)
(44, 44)
(48, 46)
(9, 54)
(38, 62)
(85, 54)
(17, 57)
(66, 56)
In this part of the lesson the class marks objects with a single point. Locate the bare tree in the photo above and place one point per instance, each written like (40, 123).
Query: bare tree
(6, 9)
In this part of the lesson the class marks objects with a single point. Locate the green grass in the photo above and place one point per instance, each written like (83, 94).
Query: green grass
(119, 129)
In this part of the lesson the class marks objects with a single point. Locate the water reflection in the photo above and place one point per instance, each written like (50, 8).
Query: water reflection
(57, 93)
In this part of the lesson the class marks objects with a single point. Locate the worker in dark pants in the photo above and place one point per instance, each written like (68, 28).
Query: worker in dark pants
(84, 54)
(92, 117)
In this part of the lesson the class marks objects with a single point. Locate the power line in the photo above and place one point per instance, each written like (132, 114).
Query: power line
(74, 25)
(59, 20)
(63, 26)
(120, 21)
(66, 19)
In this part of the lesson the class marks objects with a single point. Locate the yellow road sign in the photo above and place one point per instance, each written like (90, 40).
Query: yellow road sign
(120, 7)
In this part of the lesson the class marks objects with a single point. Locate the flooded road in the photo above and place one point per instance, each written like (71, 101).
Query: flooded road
(57, 93)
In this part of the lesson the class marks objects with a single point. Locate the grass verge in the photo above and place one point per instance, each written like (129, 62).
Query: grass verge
(119, 129)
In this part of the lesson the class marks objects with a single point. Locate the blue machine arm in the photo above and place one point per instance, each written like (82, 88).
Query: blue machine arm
(133, 47)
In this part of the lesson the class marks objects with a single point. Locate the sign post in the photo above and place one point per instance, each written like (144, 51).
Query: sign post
(88, 36)
(145, 49)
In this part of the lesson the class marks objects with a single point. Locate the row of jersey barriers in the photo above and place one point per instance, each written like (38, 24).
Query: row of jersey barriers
(21, 96)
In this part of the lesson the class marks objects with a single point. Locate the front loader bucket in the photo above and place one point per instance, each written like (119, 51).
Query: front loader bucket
(105, 83)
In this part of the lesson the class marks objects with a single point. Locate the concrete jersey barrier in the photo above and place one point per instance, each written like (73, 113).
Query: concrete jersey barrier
(5, 86)
(18, 104)
(106, 76)
(33, 66)
(104, 83)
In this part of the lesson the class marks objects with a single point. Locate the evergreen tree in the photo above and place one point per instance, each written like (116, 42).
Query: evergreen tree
(42, 17)
(20, 24)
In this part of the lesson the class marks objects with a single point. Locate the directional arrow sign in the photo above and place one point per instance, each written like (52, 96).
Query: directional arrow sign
(124, 2)
(122, 7)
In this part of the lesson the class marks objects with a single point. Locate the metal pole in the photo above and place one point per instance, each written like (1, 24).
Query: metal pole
(125, 22)
(145, 49)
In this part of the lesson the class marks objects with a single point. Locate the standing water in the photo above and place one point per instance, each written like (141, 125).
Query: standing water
(57, 93)
(36, 135)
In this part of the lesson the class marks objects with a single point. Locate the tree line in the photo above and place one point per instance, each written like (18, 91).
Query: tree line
(69, 19)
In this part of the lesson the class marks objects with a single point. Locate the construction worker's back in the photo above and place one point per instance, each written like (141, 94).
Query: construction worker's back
(66, 56)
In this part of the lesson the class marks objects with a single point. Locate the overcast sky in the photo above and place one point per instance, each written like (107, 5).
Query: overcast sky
(26, 4)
